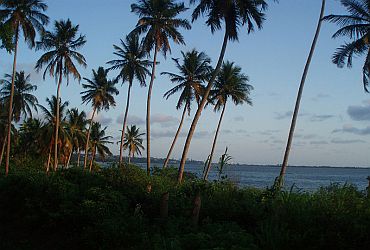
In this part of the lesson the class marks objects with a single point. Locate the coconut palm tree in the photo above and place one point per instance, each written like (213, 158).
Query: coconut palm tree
(356, 26)
(194, 71)
(159, 22)
(23, 99)
(100, 93)
(60, 59)
(26, 16)
(232, 14)
(29, 137)
(132, 63)
(50, 115)
(76, 124)
(230, 84)
(133, 142)
(98, 142)
(279, 181)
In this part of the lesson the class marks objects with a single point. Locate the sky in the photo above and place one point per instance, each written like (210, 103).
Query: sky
(333, 127)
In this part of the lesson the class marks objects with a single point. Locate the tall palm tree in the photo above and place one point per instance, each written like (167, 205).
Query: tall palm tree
(132, 64)
(100, 93)
(26, 16)
(230, 84)
(61, 47)
(159, 22)
(279, 181)
(232, 14)
(356, 26)
(133, 142)
(98, 142)
(194, 71)
(76, 124)
(53, 113)
(23, 99)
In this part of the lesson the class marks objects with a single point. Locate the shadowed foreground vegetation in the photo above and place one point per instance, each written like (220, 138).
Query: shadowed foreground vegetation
(112, 209)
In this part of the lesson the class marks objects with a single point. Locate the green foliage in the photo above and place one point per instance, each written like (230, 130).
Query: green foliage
(112, 208)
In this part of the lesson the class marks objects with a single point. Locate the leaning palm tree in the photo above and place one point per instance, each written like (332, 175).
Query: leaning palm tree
(230, 84)
(132, 64)
(232, 14)
(23, 99)
(76, 124)
(159, 22)
(279, 181)
(26, 16)
(50, 115)
(98, 142)
(100, 93)
(356, 26)
(194, 71)
(61, 47)
(133, 142)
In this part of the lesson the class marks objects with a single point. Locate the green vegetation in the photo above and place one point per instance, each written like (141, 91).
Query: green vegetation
(112, 209)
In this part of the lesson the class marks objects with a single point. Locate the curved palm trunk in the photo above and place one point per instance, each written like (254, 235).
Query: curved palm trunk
(57, 121)
(214, 144)
(124, 123)
(280, 180)
(148, 111)
(175, 139)
(92, 158)
(10, 115)
(69, 158)
(200, 109)
(88, 139)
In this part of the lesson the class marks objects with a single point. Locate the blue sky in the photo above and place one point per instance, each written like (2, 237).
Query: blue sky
(333, 127)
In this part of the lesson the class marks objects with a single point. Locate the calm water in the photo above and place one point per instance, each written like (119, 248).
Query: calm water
(305, 178)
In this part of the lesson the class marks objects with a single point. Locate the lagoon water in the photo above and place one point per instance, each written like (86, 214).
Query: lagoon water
(304, 178)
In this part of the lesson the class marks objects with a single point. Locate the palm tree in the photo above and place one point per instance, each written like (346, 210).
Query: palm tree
(279, 181)
(132, 64)
(26, 16)
(159, 21)
(133, 142)
(51, 118)
(356, 26)
(232, 14)
(76, 124)
(229, 84)
(29, 137)
(61, 47)
(23, 99)
(194, 71)
(100, 92)
(98, 142)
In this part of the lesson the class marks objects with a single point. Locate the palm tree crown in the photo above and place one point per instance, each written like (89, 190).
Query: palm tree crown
(194, 70)
(23, 100)
(99, 91)
(133, 141)
(26, 15)
(355, 26)
(132, 61)
(61, 46)
(158, 19)
(99, 140)
(230, 83)
(50, 112)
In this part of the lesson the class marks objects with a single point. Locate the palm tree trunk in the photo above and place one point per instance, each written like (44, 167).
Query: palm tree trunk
(174, 139)
(78, 157)
(2, 151)
(10, 115)
(49, 159)
(124, 123)
(200, 109)
(148, 111)
(214, 144)
(88, 138)
(129, 158)
(69, 158)
(92, 158)
(280, 180)
(57, 121)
